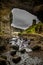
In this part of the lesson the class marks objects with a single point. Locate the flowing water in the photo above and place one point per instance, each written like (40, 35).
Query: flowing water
(25, 58)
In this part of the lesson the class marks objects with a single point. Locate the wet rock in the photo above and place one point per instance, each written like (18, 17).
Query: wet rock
(22, 50)
(41, 63)
(4, 57)
(36, 48)
(29, 43)
(31, 39)
(16, 59)
(3, 61)
(2, 48)
(15, 47)
(12, 53)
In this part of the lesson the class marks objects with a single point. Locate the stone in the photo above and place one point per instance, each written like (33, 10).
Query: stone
(3, 61)
(22, 51)
(36, 48)
(12, 53)
(16, 59)
(15, 47)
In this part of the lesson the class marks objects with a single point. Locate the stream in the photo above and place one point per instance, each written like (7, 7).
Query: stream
(25, 58)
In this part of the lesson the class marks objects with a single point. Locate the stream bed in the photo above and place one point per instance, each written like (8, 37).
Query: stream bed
(25, 58)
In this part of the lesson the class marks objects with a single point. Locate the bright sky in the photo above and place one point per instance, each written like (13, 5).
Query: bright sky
(22, 19)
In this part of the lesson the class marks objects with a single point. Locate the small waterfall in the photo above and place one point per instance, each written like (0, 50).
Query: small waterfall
(21, 43)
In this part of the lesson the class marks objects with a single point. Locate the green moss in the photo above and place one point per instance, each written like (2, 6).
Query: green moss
(32, 29)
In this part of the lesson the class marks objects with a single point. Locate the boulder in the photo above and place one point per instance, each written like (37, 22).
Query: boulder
(2, 48)
(16, 59)
(15, 47)
(22, 51)
(36, 48)
(12, 53)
